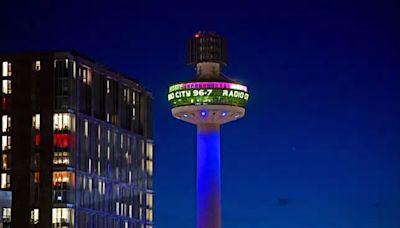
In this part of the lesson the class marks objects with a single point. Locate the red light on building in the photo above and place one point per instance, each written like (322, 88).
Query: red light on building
(59, 140)
(4, 104)
(37, 139)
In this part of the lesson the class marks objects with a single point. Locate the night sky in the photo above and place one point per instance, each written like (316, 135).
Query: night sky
(320, 143)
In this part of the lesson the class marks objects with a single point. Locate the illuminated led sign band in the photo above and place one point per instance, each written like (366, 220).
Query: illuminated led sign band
(208, 93)
(210, 85)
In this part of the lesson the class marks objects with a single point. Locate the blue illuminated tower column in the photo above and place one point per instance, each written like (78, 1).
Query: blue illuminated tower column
(208, 101)
(208, 176)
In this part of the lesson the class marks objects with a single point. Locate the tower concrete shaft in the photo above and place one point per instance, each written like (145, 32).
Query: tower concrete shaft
(208, 176)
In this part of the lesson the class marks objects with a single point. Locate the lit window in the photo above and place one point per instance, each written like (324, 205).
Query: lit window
(90, 184)
(4, 69)
(149, 215)
(36, 177)
(99, 188)
(37, 66)
(6, 123)
(149, 167)
(5, 142)
(98, 168)
(86, 76)
(63, 121)
(6, 215)
(63, 217)
(35, 216)
(149, 200)
(36, 121)
(63, 185)
(6, 66)
(98, 132)
(73, 69)
(61, 158)
(133, 98)
(63, 178)
(149, 151)
(6, 86)
(5, 161)
(86, 124)
(5, 181)
(108, 86)
(117, 208)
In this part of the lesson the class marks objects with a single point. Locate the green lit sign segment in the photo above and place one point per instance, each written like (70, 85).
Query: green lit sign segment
(208, 93)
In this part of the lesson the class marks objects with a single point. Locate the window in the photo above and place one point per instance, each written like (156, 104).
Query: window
(125, 94)
(86, 76)
(36, 122)
(63, 178)
(6, 86)
(36, 177)
(149, 162)
(63, 83)
(63, 140)
(35, 216)
(149, 200)
(5, 161)
(61, 158)
(73, 69)
(6, 214)
(149, 151)
(5, 142)
(149, 215)
(149, 167)
(6, 123)
(86, 126)
(6, 66)
(63, 183)
(63, 217)
(85, 90)
(5, 181)
(37, 66)
(63, 121)
(108, 86)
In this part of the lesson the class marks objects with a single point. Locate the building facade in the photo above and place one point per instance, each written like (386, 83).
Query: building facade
(77, 147)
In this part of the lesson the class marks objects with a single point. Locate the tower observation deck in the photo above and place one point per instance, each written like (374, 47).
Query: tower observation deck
(208, 101)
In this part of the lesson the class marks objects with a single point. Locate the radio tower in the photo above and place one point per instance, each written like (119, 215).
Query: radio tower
(208, 101)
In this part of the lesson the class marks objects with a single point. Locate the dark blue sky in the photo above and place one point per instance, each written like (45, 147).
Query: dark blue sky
(320, 143)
